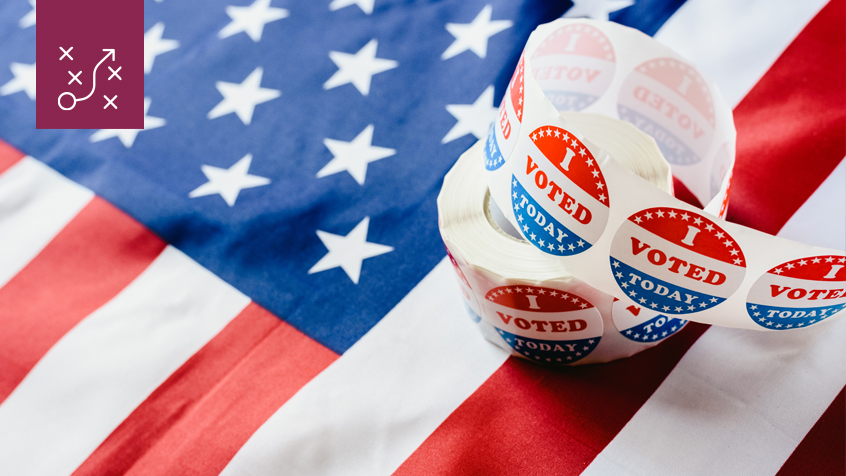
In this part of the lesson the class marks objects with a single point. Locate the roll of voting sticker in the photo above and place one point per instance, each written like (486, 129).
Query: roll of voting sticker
(571, 189)
(799, 293)
(522, 300)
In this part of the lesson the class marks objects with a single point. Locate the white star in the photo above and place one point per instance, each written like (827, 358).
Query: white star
(24, 80)
(154, 45)
(251, 19)
(348, 251)
(29, 19)
(243, 98)
(228, 182)
(365, 5)
(473, 118)
(127, 136)
(474, 36)
(596, 9)
(354, 156)
(358, 68)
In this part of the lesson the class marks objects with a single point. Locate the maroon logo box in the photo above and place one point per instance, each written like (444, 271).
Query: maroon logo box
(90, 56)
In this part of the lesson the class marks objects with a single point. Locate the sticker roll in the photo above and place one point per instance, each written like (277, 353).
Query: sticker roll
(523, 301)
(622, 234)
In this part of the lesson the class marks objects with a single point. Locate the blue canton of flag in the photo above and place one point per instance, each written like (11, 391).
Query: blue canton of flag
(292, 149)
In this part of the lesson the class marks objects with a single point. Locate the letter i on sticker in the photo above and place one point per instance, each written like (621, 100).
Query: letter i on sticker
(675, 261)
(543, 324)
(559, 194)
(799, 293)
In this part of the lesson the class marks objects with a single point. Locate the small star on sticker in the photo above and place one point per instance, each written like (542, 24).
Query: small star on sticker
(348, 252)
(615, 264)
(653, 305)
(601, 197)
(803, 263)
(588, 160)
(666, 308)
(580, 243)
(638, 219)
(815, 260)
(533, 236)
(541, 243)
(660, 214)
(709, 227)
(697, 221)
(777, 271)
(560, 247)
(672, 214)
(829, 259)
(685, 216)
(358, 68)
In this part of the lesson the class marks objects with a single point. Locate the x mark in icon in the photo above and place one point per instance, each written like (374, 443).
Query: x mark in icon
(115, 73)
(66, 53)
(110, 102)
(75, 77)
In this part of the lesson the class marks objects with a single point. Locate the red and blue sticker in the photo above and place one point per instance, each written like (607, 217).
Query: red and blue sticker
(670, 101)
(642, 324)
(799, 293)
(675, 261)
(574, 66)
(559, 194)
(544, 324)
(503, 133)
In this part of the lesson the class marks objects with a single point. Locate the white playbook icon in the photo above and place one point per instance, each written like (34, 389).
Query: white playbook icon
(110, 102)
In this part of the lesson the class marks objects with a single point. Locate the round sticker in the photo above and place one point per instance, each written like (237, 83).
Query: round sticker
(799, 293)
(574, 66)
(558, 193)
(671, 102)
(466, 290)
(675, 261)
(544, 324)
(642, 324)
(503, 133)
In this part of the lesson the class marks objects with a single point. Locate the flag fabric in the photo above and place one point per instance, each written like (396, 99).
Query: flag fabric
(254, 284)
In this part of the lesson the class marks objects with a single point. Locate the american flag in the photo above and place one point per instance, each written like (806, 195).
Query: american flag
(254, 283)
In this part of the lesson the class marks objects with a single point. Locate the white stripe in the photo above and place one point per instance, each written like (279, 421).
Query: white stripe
(367, 412)
(739, 402)
(99, 372)
(820, 220)
(36, 202)
(733, 43)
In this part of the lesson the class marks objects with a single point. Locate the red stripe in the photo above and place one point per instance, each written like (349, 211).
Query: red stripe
(196, 421)
(527, 419)
(89, 262)
(791, 128)
(684, 194)
(823, 450)
(9, 156)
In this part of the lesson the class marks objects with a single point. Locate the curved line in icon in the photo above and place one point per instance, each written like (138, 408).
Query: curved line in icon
(111, 53)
